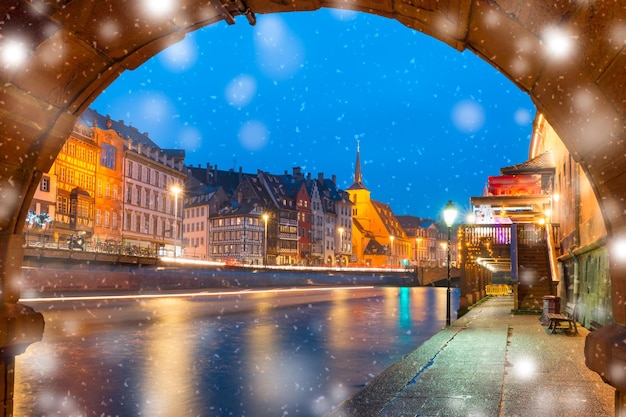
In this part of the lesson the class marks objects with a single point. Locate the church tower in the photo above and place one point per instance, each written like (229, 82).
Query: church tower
(361, 209)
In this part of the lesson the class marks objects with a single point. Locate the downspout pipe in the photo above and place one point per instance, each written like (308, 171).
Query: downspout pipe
(576, 270)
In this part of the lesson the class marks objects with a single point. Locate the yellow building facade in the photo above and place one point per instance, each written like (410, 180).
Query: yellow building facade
(377, 238)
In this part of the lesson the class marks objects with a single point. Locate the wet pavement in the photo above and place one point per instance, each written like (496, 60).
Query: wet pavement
(489, 362)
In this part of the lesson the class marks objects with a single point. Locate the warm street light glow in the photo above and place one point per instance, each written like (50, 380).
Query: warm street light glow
(418, 240)
(449, 215)
(176, 190)
(341, 230)
(265, 218)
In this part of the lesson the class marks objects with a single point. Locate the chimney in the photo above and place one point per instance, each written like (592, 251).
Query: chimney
(334, 177)
(320, 176)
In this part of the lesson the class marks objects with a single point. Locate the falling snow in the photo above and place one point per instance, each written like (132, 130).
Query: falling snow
(297, 89)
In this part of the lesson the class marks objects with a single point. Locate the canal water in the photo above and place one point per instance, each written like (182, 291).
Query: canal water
(244, 355)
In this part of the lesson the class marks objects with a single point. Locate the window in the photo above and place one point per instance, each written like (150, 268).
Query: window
(99, 188)
(115, 192)
(114, 220)
(98, 217)
(44, 185)
(107, 190)
(107, 219)
(62, 205)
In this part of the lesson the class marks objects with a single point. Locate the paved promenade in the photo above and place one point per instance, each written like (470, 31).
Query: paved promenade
(488, 363)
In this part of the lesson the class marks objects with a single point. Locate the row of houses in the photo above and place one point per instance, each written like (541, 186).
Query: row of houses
(112, 188)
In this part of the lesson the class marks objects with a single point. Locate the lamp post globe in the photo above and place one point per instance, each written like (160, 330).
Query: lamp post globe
(449, 215)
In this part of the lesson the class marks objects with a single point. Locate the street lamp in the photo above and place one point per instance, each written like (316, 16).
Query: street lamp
(175, 189)
(418, 241)
(449, 215)
(265, 218)
(391, 251)
(340, 245)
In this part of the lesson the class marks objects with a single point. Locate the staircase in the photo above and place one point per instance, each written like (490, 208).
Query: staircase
(534, 276)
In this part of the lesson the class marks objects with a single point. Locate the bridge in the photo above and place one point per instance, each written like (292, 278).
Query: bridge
(61, 64)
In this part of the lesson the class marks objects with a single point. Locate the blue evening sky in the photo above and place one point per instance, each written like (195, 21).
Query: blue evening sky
(299, 89)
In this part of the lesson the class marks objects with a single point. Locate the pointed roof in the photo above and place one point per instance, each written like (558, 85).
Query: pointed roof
(389, 219)
(91, 117)
(358, 176)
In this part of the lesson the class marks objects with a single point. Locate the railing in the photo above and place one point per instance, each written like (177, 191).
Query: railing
(476, 235)
(498, 289)
(110, 247)
(552, 236)
(527, 234)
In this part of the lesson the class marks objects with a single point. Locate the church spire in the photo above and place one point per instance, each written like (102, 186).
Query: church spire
(358, 177)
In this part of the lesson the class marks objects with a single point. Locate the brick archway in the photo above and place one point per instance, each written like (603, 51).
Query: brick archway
(76, 48)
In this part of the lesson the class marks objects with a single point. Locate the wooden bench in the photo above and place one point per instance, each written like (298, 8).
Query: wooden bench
(569, 317)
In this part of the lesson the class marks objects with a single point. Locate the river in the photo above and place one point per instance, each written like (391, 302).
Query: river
(292, 352)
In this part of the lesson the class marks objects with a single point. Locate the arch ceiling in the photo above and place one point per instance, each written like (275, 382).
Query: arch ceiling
(56, 56)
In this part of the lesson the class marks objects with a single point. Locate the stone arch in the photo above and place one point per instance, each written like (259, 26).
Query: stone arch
(75, 48)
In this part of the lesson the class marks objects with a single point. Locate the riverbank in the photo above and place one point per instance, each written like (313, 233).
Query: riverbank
(114, 277)
(489, 362)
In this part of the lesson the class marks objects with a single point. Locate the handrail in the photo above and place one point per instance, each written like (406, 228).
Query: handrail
(552, 255)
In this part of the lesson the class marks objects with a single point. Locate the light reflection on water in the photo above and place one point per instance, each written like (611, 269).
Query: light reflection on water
(176, 357)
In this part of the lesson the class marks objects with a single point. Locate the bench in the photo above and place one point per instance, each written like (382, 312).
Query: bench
(569, 317)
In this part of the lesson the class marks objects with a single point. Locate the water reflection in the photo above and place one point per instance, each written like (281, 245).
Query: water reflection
(244, 356)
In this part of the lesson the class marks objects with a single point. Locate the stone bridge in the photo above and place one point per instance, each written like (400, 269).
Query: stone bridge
(57, 56)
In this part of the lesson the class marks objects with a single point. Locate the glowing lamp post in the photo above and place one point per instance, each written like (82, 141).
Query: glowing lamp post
(391, 264)
(341, 230)
(418, 254)
(265, 218)
(175, 190)
(449, 215)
